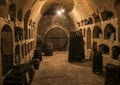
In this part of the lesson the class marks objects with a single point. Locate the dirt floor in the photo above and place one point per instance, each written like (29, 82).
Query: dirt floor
(56, 70)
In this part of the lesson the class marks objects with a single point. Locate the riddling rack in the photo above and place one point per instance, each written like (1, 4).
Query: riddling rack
(76, 47)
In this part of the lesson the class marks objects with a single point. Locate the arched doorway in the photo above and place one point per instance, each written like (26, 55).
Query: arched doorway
(109, 32)
(58, 38)
(88, 38)
(97, 32)
(6, 49)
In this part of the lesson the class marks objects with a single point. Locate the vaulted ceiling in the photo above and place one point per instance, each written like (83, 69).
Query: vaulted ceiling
(86, 6)
(79, 8)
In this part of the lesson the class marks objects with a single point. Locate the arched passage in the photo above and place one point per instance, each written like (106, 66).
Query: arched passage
(26, 18)
(12, 12)
(97, 32)
(109, 32)
(57, 37)
(6, 49)
(88, 38)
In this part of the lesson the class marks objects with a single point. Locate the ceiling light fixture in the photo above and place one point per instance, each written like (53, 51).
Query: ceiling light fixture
(59, 12)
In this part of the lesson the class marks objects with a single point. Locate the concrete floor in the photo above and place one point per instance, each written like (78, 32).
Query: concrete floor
(56, 70)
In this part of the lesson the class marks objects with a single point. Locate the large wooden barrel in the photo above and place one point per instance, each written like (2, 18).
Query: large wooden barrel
(58, 38)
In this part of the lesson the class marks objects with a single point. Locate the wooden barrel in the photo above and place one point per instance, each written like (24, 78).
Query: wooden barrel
(58, 38)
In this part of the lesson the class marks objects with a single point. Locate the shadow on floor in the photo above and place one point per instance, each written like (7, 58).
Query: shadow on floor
(88, 63)
(84, 63)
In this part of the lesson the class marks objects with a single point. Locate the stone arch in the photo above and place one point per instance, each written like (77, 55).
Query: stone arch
(85, 21)
(88, 38)
(97, 32)
(104, 49)
(20, 15)
(115, 52)
(106, 14)
(90, 20)
(109, 32)
(6, 49)
(12, 12)
(56, 36)
(26, 18)
(96, 18)
(18, 34)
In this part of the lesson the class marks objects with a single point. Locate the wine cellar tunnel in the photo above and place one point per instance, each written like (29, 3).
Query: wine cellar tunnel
(76, 30)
